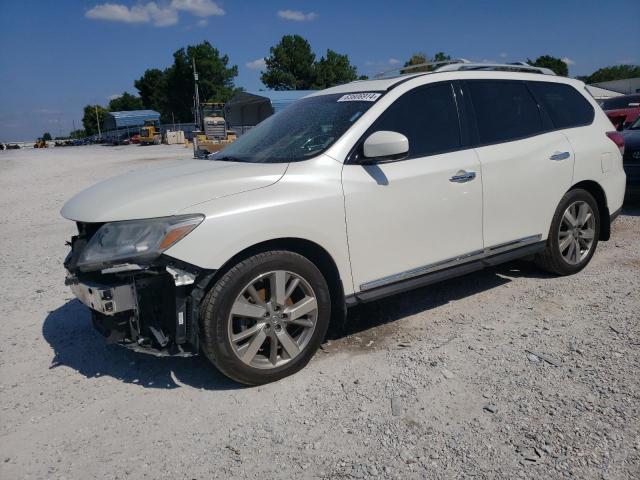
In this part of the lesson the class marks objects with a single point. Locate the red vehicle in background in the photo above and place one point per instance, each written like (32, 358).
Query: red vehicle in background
(623, 110)
(135, 138)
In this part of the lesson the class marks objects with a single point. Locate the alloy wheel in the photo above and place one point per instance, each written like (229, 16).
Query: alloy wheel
(273, 319)
(577, 232)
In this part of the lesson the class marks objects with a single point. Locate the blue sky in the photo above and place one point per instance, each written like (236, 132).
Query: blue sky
(57, 56)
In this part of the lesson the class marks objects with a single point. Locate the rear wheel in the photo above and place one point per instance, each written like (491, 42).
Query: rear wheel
(265, 318)
(573, 236)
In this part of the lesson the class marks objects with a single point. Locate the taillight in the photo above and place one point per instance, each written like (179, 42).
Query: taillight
(618, 140)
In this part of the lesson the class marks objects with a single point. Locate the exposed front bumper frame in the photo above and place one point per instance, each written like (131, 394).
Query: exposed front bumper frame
(128, 305)
(105, 299)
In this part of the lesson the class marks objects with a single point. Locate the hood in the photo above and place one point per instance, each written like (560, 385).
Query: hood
(164, 191)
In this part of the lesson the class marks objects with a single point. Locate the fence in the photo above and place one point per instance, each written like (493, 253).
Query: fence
(128, 132)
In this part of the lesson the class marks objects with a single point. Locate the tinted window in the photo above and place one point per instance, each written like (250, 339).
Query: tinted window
(566, 107)
(428, 117)
(620, 102)
(504, 110)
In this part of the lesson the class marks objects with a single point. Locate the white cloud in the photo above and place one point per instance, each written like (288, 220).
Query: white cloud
(256, 64)
(160, 15)
(568, 61)
(203, 22)
(504, 54)
(199, 8)
(142, 13)
(114, 96)
(297, 15)
(394, 61)
(117, 13)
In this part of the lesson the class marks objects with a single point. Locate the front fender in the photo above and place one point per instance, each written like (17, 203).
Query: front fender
(307, 203)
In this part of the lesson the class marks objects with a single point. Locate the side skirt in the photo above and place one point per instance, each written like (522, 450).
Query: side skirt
(444, 274)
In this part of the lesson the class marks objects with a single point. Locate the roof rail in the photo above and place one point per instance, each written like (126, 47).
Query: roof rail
(403, 70)
(509, 67)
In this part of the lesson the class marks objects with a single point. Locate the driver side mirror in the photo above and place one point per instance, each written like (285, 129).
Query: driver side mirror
(384, 146)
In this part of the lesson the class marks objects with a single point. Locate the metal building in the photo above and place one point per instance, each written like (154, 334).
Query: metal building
(247, 109)
(131, 119)
(626, 86)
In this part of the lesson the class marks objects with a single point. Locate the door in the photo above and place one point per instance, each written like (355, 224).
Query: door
(407, 217)
(526, 166)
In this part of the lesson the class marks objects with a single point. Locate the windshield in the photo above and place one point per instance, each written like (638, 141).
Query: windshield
(303, 130)
(212, 112)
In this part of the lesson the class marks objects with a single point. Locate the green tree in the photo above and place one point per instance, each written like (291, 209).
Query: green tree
(333, 69)
(125, 102)
(420, 57)
(547, 61)
(617, 72)
(215, 80)
(152, 89)
(89, 118)
(290, 65)
(46, 136)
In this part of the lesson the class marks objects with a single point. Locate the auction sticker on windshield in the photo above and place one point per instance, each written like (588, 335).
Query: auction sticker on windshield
(360, 97)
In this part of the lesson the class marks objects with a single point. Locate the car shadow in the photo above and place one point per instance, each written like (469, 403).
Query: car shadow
(370, 315)
(77, 345)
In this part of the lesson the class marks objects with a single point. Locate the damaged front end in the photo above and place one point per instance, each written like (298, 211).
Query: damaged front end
(148, 303)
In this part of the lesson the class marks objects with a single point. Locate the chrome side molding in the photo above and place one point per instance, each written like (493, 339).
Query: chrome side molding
(451, 262)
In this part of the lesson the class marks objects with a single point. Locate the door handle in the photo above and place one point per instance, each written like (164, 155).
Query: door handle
(463, 176)
(560, 156)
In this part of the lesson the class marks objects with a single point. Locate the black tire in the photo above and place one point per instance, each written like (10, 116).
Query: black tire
(217, 304)
(551, 259)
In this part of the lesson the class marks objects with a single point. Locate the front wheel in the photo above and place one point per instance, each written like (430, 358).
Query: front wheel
(573, 236)
(265, 317)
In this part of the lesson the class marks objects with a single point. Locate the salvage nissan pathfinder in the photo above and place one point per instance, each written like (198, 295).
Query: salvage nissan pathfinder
(348, 195)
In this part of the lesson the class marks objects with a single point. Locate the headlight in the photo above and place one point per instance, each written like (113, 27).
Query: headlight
(138, 241)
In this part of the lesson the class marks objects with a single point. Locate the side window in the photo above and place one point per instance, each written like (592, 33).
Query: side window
(564, 104)
(504, 110)
(428, 117)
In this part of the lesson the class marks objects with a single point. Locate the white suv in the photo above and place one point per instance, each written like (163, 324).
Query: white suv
(351, 194)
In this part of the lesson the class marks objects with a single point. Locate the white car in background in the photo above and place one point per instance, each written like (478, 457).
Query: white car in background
(351, 194)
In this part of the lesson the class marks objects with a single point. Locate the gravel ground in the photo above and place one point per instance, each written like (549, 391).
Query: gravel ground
(504, 373)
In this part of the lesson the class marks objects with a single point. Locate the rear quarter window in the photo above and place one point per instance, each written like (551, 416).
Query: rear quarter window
(564, 104)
